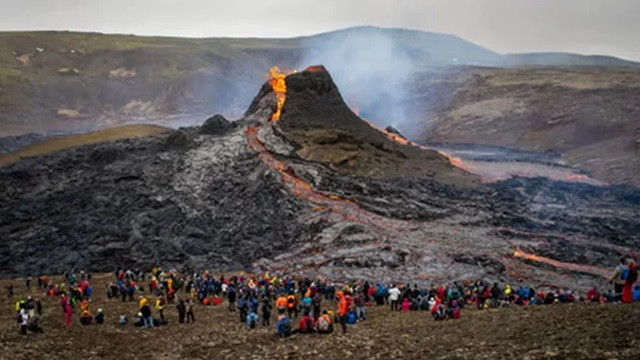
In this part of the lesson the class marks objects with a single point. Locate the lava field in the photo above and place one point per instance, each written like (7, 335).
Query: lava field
(302, 185)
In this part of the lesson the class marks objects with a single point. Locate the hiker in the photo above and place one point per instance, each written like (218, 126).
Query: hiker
(86, 318)
(145, 311)
(324, 324)
(231, 296)
(632, 277)
(343, 309)
(618, 279)
(23, 319)
(496, 292)
(394, 294)
(406, 305)
(292, 304)
(9, 291)
(281, 304)
(243, 307)
(252, 320)
(190, 316)
(66, 307)
(306, 325)
(316, 305)
(361, 303)
(99, 318)
(453, 312)
(160, 305)
(182, 311)
(283, 326)
(266, 310)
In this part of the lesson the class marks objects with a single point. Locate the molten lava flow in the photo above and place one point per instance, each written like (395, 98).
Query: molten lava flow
(279, 86)
(455, 161)
(562, 265)
(314, 69)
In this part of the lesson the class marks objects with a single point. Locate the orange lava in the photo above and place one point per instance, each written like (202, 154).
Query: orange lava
(279, 86)
(594, 270)
(314, 69)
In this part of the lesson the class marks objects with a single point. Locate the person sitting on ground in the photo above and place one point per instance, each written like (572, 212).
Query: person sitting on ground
(439, 312)
(252, 320)
(86, 318)
(283, 326)
(406, 305)
(324, 324)
(306, 325)
(453, 312)
(99, 318)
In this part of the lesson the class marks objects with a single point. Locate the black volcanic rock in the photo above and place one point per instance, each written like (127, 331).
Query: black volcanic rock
(216, 125)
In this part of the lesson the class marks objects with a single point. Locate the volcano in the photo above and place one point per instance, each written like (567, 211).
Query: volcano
(321, 128)
(302, 185)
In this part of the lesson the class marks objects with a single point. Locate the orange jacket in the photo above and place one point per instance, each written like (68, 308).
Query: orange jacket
(281, 302)
(343, 305)
(291, 301)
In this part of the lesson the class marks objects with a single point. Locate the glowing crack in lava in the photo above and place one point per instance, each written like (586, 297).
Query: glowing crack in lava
(588, 269)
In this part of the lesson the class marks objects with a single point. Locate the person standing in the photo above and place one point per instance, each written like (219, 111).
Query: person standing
(343, 309)
(145, 310)
(266, 310)
(619, 278)
(23, 320)
(632, 277)
(68, 313)
(182, 311)
(160, 304)
(394, 295)
(190, 316)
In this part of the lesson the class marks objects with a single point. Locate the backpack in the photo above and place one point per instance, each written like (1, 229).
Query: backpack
(632, 275)
(624, 273)
(351, 318)
(323, 324)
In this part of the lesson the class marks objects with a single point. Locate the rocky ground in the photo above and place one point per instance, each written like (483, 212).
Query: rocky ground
(579, 331)
(588, 115)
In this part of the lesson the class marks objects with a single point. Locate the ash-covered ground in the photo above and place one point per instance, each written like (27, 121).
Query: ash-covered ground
(319, 192)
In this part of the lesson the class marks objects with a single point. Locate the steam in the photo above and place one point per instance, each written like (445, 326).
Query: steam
(373, 72)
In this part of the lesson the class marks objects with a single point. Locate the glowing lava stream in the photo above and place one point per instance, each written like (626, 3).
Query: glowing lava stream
(594, 270)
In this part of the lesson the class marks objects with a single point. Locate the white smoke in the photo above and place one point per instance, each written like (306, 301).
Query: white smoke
(371, 70)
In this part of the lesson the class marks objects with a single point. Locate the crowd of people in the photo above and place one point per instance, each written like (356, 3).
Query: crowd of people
(315, 305)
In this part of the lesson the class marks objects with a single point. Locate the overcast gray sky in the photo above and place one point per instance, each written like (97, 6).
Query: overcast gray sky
(609, 27)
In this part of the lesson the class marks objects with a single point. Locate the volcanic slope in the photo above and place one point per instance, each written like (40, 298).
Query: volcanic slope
(316, 121)
(225, 196)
